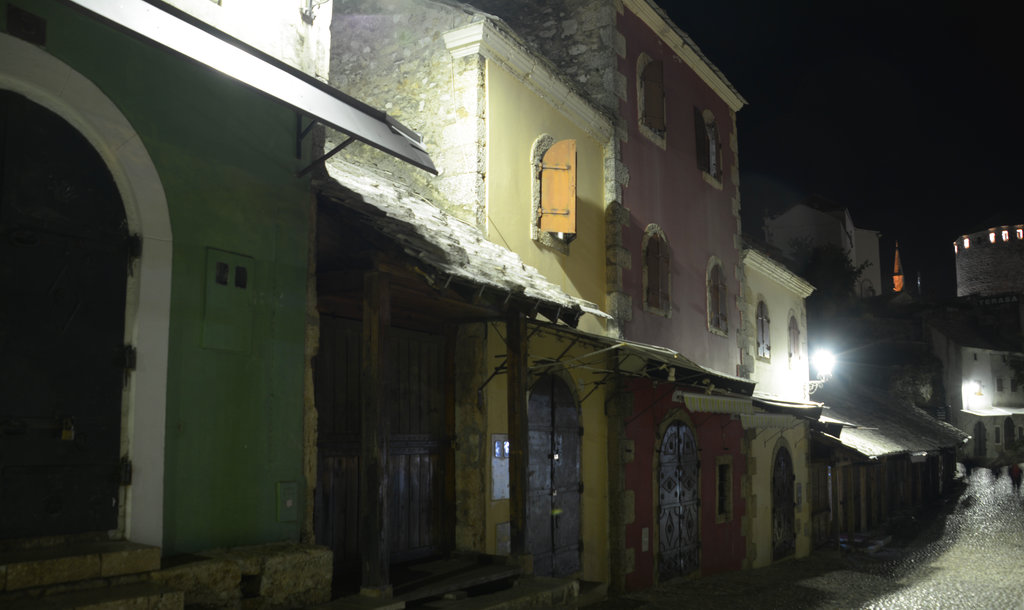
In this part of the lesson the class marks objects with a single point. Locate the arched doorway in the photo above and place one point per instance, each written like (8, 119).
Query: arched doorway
(783, 507)
(678, 503)
(32, 72)
(980, 450)
(553, 496)
(64, 257)
(1009, 430)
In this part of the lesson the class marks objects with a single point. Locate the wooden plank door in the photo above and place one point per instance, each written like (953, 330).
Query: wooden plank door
(64, 259)
(553, 499)
(417, 441)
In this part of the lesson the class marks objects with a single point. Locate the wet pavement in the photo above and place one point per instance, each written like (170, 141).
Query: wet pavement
(968, 553)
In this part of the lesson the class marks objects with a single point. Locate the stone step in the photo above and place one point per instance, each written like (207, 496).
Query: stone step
(137, 596)
(45, 566)
(528, 592)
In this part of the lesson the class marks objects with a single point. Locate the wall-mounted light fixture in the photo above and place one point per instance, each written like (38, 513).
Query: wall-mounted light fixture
(823, 362)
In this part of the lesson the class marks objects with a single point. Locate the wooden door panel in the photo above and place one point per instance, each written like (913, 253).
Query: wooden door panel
(417, 441)
(64, 258)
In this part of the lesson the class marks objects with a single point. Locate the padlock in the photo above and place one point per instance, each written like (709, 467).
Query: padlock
(67, 431)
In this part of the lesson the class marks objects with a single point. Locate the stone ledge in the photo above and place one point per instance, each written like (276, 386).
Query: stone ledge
(40, 567)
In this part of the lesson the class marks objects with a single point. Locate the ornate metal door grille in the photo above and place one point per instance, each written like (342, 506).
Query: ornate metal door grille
(678, 503)
(783, 508)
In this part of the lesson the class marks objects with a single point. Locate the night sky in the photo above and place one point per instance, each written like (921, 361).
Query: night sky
(907, 113)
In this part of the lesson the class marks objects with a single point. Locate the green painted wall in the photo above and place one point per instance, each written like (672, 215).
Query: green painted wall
(225, 155)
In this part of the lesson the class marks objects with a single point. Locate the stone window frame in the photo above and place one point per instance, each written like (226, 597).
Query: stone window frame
(540, 147)
(723, 514)
(708, 142)
(651, 132)
(663, 271)
(717, 298)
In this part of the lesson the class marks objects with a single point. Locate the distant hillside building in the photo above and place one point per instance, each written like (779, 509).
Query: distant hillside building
(824, 222)
(990, 262)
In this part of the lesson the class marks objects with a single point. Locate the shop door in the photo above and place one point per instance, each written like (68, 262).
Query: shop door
(678, 503)
(783, 507)
(553, 497)
(64, 258)
(416, 443)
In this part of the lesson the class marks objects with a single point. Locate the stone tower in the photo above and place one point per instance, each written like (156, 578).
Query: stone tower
(990, 262)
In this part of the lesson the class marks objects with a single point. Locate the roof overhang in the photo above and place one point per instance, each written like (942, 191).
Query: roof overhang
(445, 252)
(168, 27)
(807, 410)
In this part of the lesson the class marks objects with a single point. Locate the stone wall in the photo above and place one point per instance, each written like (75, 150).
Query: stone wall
(278, 576)
(987, 268)
(575, 35)
(391, 55)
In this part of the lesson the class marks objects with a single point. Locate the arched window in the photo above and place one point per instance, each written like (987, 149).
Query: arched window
(718, 318)
(794, 338)
(709, 146)
(657, 278)
(652, 94)
(764, 335)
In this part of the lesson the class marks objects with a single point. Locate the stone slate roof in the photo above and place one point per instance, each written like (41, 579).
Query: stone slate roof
(449, 247)
(876, 426)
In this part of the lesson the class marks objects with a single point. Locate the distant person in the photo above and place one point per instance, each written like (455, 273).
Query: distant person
(1015, 475)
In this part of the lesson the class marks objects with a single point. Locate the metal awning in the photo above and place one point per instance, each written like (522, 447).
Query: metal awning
(199, 41)
(806, 409)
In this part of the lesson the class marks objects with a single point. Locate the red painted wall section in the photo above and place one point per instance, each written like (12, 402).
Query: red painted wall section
(667, 188)
(723, 546)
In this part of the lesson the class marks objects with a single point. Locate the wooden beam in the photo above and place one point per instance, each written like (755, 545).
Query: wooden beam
(518, 430)
(374, 540)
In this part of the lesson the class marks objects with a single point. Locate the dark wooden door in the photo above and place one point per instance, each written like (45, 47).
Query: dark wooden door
(553, 497)
(678, 503)
(417, 442)
(783, 506)
(63, 268)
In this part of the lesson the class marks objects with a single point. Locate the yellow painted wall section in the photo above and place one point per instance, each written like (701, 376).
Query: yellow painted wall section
(762, 456)
(581, 377)
(516, 117)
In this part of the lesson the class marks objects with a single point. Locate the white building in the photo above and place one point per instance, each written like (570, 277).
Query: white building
(820, 222)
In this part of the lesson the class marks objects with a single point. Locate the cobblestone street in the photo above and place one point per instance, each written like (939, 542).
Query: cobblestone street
(970, 554)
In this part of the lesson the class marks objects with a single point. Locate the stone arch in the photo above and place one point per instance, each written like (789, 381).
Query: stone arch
(42, 78)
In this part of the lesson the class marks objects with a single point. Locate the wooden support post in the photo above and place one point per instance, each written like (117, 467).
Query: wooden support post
(374, 541)
(518, 430)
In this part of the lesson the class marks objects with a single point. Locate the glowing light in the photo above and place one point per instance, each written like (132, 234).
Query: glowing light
(824, 361)
(967, 242)
(1006, 235)
(992, 238)
(956, 249)
(1020, 233)
(972, 387)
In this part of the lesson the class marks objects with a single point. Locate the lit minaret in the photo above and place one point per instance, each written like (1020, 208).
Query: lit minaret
(897, 272)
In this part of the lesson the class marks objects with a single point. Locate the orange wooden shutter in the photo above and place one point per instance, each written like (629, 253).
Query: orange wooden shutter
(558, 188)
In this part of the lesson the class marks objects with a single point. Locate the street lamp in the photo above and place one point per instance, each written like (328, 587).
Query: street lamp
(823, 362)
